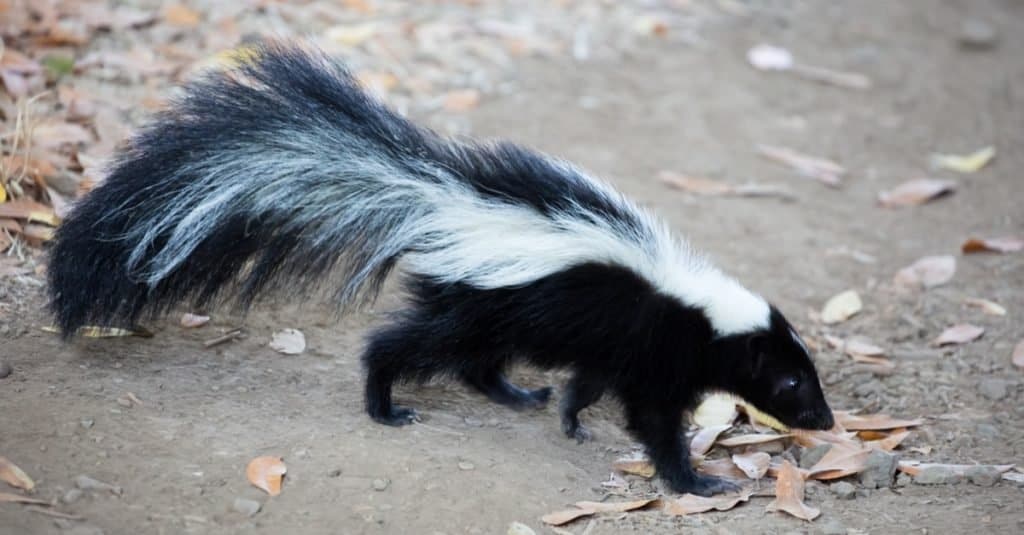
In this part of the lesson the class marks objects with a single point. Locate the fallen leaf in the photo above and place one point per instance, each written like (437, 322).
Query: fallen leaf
(288, 341)
(183, 16)
(461, 100)
(716, 409)
(17, 498)
(191, 321)
(890, 442)
(702, 442)
(825, 171)
(37, 233)
(841, 307)
(970, 163)
(988, 307)
(53, 134)
(689, 504)
(720, 467)
(929, 272)
(789, 494)
(867, 359)
(14, 476)
(93, 331)
(1004, 244)
(351, 35)
(753, 464)
(913, 468)
(915, 192)
(266, 473)
(634, 465)
(855, 346)
(30, 211)
(560, 518)
(706, 186)
(750, 439)
(840, 461)
(1018, 355)
(872, 422)
(959, 334)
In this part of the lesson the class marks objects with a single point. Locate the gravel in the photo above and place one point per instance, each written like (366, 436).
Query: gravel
(993, 389)
(977, 34)
(937, 475)
(246, 506)
(983, 476)
(844, 490)
(879, 471)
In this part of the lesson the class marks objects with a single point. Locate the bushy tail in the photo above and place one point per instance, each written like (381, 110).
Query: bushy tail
(283, 170)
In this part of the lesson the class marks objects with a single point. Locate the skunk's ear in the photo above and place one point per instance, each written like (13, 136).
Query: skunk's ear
(757, 344)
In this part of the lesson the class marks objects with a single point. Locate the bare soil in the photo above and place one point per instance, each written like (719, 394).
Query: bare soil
(662, 104)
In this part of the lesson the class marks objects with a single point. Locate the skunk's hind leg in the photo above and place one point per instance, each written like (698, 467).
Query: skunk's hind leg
(580, 392)
(493, 384)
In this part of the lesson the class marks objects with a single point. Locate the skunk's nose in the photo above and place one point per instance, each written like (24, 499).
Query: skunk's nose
(821, 420)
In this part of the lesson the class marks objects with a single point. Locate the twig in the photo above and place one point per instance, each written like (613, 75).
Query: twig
(54, 513)
(226, 337)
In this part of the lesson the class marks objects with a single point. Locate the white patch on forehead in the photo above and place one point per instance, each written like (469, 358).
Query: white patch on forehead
(799, 340)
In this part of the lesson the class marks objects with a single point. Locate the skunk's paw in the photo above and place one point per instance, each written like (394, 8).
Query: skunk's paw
(575, 430)
(704, 486)
(397, 417)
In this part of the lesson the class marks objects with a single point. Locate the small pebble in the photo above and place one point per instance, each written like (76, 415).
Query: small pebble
(879, 470)
(87, 423)
(71, 496)
(518, 528)
(85, 482)
(903, 480)
(5, 370)
(977, 34)
(466, 465)
(246, 506)
(844, 490)
(993, 389)
(380, 484)
(124, 402)
(334, 473)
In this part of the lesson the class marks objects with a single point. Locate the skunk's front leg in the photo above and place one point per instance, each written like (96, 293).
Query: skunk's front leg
(580, 392)
(660, 429)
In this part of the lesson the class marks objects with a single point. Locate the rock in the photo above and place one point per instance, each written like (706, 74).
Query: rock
(246, 506)
(937, 475)
(811, 456)
(833, 527)
(879, 471)
(5, 370)
(518, 528)
(334, 473)
(466, 465)
(71, 496)
(977, 34)
(844, 490)
(987, 431)
(85, 482)
(994, 389)
(903, 480)
(869, 388)
(983, 476)
(380, 484)
(87, 423)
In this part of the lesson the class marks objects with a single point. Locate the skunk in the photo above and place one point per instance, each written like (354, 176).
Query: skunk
(280, 169)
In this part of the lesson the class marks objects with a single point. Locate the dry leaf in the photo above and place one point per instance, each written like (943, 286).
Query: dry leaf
(53, 134)
(913, 468)
(288, 341)
(634, 465)
(890, 442)
(461, 100)
(929, 272)
(915, 192)
(191, 321)
(720, 467)
(825, 171)
(689, 504)
(14, 476)
(351, 35)
(989, 307)
(17, 498)
(970, 163)
(750, 439)
(840, 461)
(266, 473)
(183, 16)
(754, 464)
(841, 307)
(789, 494)
(716, 409)
(959, 334)
(872, 422)
(693, 184)
(1004, 244)
(705, 438)
(1018, 355)
(30, 211)
(560, 518)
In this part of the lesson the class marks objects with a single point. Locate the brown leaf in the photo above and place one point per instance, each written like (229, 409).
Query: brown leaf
(53, 134)
(17, 498)
(753, 464)
(915, 192)
(914, 467)
(1003, 244)
(929, 272)
(77, 106)
(634, 465)
(266, 473)
(789, 494)
(825, 171)
(693, 184)
(720, 467)
(988, 307)
(689, 504)
(191, 321)
(959, 334)
(560, 518)
(890, 442)
(462, 100)
(183, 16)
(30, 211)
(1018, 355)
(840, 461)
(705, 438)
(750, 439)
(841, 307)
(14, 476)
(872, 422)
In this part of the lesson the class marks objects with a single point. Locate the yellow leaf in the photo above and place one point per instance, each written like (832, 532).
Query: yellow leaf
(3, 193)
(970, 163)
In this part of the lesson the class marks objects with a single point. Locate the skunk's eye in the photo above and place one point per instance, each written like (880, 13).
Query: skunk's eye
(792, 383)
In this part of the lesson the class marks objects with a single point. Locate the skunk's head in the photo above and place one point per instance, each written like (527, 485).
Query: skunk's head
(771, 369)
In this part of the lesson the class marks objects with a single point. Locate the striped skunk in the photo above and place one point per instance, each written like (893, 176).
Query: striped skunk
(280, 169)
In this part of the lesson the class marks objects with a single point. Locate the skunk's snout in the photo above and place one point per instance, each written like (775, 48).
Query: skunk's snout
(819, 420)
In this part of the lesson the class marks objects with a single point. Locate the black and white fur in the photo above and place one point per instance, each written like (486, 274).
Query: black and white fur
(282, 170)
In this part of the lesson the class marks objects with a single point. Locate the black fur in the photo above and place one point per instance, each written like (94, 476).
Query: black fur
(615, 332)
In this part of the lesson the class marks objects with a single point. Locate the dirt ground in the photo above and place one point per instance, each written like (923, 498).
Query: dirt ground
(690, 105)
